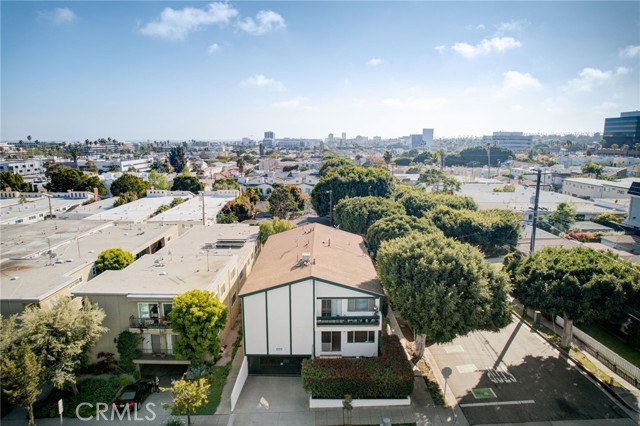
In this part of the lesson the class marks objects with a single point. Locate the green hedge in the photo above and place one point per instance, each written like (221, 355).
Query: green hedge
(92, 390)
(387, 376)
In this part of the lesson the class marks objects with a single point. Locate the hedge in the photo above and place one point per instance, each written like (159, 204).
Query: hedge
(387, 376)
(93, 391)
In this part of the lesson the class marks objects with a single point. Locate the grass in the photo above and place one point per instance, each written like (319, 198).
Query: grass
(612, 342)
(431, 382)
(217, 378)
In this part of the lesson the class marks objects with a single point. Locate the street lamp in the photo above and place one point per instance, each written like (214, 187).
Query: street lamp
(330, 192)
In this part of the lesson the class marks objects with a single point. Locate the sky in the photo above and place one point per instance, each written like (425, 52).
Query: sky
(149, 70)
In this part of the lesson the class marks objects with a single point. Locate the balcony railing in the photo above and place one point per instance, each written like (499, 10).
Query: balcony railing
(155, 323)
(155, 354)
(348, 320)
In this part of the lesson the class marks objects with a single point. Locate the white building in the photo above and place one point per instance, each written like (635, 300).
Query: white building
(593, 189)
(427, 138)
(30, 207)
(26, 168)
(515, 141)
(314, 292)
(633, 219)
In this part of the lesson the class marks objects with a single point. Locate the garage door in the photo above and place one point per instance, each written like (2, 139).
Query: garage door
(276, 365)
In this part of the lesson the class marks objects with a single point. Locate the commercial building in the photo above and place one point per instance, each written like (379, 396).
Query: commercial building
(192, 212)
(515, 141)
(139, 298)
(142, 209)
(25, 168)
(593, 189)
(427, 137)
(313, 292)
(623, 130)
(415, 141)
(31, 207)
(633, 219)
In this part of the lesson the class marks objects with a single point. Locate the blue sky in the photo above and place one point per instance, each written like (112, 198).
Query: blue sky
(210, 70)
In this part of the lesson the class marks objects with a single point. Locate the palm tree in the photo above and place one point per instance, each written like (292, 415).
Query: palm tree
(387, 156)
(241, 163)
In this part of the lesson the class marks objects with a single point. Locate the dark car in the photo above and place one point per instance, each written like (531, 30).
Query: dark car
(131, 397)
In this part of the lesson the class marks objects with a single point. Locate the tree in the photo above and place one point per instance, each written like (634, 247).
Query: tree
(563, 217)
(273, 226)
(253, 194)
(357, 214)
(281, 202)
(161, 166)
(604, 218)
(187, 395)
(66, 178)
(479, 154)
(592, 169)
(21, 377)
(177, 158)
(580, 284)
(127, 346)
(74, 152)
(157, 180)
(129, 183)
(113, 259)
(423, 158)
(387, 156)
(351, 181)
(440, 180)
(91, 166)
(330, 163)
(396, 226)
(187, 183)
(418, 202)
(239, 209)
(125, 198)
(442, 287)
(13, 181)
(224, 183)
(61, 337)
(241, 162)
(198, 316)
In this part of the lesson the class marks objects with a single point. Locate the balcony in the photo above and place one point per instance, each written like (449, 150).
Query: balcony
(348, 320)
(149, 323)
(164, 356)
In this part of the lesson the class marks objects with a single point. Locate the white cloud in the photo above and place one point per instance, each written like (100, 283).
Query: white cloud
(514, 80)
(516, 107)
(440, 49)
(421, 103)
(213, 48)
(607, 106)
(295, 103)
(630, 51)
(589, 78)
(510, 27)
(486, 46)
(475, 27)
(374, 62)
(262, 82)
(57, 16)
(266, 21)
(176, 24)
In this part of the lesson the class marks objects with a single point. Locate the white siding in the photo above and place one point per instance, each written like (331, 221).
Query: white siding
(278, 316)
(329, 290)
(302, 318)
(255, 324)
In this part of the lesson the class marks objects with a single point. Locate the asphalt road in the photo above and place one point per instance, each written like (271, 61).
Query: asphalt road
(514, 376)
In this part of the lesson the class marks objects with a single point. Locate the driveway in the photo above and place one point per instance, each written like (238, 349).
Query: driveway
(515, 376)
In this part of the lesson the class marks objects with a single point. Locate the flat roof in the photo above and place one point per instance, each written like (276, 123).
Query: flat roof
(10, 210)
(189, 262)
(191, 210)
(136, 211)
(81, 211)
(42, 275)
(334, 255)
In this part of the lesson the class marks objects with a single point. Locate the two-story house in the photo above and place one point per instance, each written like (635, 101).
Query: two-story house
(313, 292)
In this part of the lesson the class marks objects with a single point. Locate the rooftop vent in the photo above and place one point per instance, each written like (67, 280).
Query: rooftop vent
(306, 256)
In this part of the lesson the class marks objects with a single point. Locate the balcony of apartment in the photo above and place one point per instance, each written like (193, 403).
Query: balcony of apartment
(149, 325)
(158, 356)
(348, 320)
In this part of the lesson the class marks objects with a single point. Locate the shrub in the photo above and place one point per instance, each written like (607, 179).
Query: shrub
(387, 376)
(91, 391)
(174, 421)
(127, 346)
(633, 334)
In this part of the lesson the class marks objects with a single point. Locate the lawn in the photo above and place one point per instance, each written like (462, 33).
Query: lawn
(217, 377)
(612, 342)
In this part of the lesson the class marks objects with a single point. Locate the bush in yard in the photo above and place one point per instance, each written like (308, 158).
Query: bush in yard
(91, 391)
(387, 376)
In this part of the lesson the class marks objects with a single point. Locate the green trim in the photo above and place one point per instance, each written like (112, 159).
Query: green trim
(348, 287)
(244, 330)
(266, 317)
(277, 286)
(312, 278)
(313, 318)
(340, 298)
(290, 327)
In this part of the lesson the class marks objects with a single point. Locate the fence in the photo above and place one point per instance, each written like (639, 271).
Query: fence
(612, 360)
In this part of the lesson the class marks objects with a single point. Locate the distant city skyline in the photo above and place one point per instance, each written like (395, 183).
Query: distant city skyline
(223, 71)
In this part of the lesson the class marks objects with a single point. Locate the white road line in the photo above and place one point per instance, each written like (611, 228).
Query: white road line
(484, 404)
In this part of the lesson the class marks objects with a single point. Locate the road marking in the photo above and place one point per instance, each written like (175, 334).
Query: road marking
(453, 349)
(500, 375)
(483, 393)
(466, 368)
(484, 404)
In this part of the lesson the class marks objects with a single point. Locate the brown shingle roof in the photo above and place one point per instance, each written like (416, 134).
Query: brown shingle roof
(334, 255)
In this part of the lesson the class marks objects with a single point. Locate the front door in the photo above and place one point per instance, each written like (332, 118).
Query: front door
(146, 344)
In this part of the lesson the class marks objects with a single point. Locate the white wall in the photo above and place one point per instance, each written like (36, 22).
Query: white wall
(255, 326)
(348, 349)
(329, 290)
(239, 384)
(302, 318)
(278, 320)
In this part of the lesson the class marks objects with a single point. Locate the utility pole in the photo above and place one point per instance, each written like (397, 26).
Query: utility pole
(489, 161)
(535, 213)
(330, 192)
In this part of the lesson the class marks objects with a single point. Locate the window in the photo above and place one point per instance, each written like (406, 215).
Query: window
(223, 289)
(331, 341)
(166, 309)
(361, 337)
(326, 308)
(233, 299)
(148, 310)
(331, 307)
(233, 273)
(362, 305)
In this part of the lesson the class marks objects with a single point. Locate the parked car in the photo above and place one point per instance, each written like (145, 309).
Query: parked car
(132, 396)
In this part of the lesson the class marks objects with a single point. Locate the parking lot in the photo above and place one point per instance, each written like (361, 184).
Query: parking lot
(515, 376)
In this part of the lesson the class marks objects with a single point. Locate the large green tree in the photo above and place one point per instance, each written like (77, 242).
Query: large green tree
(113, 259)
(440, 181)
(198, 316)
(187, 183)
(358, 213)
(351, 181)
(239, 209)
(157, 180)
(13, 181)
(21, 377)
(129, 183)
(417, 202)
(442, 287)
(579, 284)
(331, 162)
(61, 337)
(224, 183)
(178, 158)
(592, 168)
(478, 154)
(281, 202)
(273, 226)
(563, 218)
(396, 226)
(66, 178)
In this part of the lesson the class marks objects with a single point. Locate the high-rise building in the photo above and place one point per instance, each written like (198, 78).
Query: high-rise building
(515, 141)
(269, 139)
(415, 141)
(427, 137)
(344, 136)
(623, 130)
